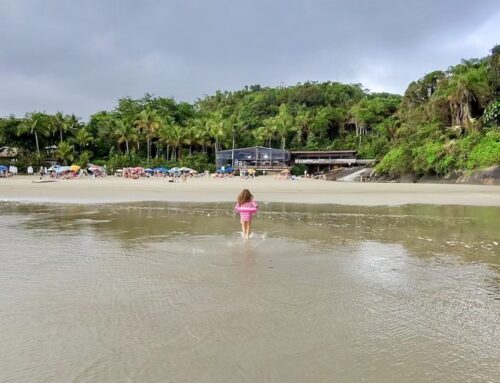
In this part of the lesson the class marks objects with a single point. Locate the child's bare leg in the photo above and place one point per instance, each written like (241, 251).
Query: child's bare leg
(247, 229)
(243, 229)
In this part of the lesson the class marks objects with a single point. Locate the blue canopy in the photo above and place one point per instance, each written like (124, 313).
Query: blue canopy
(160, 170)
(62, 169)
(3, 168)
(148, 170)
(174, 170)
(226, 169)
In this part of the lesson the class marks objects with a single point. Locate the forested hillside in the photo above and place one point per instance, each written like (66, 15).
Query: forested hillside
(446, 121)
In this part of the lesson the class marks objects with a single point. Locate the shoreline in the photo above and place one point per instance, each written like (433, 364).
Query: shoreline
(265, 189)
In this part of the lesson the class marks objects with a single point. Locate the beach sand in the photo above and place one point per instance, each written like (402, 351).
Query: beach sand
(265, 189)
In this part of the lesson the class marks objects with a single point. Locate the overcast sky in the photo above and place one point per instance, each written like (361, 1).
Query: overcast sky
(81, 56)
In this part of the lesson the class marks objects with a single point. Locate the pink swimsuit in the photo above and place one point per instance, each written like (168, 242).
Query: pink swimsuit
(246, 216)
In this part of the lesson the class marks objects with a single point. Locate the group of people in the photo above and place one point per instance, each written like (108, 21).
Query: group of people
(7, 171)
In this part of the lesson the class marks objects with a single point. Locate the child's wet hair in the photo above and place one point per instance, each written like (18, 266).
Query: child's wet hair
(245, 196)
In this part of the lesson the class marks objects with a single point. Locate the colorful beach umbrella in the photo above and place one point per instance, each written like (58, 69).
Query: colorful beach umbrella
(75, 168)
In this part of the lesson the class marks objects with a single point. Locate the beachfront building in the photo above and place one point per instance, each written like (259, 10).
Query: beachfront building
(327, 160)
(269, 159)
(257, 157)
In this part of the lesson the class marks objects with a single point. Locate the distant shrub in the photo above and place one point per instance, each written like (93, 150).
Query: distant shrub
(396, 162)
(298, 169)
(486, 152)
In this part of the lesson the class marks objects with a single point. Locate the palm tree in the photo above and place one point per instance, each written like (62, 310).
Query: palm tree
(190, 137)
(303, 120)
(148, 121)
(32, 124)
(269, 129)
(218, 129)
(262, 134)
(202, 133)
(82, 138)
(65, 152)
(126, 133)
(165, 133)
(72, 123)
(176, 139)
(59, 124)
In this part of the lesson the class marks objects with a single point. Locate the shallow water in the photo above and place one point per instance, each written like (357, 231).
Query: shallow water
(159, 293)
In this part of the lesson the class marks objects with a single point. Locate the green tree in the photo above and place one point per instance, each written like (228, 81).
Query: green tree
(284, 124)
(59, 124)
(65, 152)
(33, 124)
(176, 138)
(83, 138)
(126, 133)
(148, 121)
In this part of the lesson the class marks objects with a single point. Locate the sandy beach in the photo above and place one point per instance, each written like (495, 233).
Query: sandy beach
(265, 189)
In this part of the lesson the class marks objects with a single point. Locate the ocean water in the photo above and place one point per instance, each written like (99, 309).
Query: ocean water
(155, 292)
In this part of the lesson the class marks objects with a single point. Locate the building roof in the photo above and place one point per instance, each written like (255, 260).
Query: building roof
(324, 152)
(251, 148)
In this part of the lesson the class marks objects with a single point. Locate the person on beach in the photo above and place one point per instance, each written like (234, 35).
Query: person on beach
(246, 207)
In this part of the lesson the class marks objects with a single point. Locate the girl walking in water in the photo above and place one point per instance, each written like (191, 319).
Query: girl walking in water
(246, 207)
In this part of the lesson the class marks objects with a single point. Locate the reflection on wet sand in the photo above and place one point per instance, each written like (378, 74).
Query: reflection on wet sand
(156, 292)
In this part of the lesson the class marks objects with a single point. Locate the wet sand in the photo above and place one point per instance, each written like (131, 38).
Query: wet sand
(156, 292)
(265, 189)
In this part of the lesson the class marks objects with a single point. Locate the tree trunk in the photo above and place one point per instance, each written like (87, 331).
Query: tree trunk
(149, 149)
(126, 143)
(37, 145)
(60, 135)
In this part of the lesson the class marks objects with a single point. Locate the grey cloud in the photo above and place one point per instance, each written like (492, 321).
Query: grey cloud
(81, 57)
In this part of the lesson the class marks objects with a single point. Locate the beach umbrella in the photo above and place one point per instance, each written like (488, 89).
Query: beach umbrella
(174, 170)
(160, 170)
(3, 168)
(185, 169)
(75, 168)
(148, 170)
(137, 170)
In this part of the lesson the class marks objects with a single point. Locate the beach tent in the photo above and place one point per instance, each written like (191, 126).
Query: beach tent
(53, 168)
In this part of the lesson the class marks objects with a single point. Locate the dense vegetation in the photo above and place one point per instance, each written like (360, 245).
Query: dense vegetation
(446, 121)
